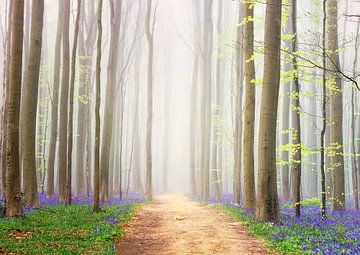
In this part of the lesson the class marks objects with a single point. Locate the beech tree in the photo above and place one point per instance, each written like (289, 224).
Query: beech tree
(115, 21)
(97, 112)
(249, 108)
(13, 192)
(268, 204)
(54, 104)
(149, 28)
(64, 101)
(336, 109)
(30, 105)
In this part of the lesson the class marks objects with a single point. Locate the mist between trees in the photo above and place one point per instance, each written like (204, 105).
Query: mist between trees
(211, 97)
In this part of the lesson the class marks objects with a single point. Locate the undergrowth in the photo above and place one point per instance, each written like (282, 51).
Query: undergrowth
(61, 229)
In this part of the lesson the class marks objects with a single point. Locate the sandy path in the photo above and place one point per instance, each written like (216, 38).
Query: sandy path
(174, 224)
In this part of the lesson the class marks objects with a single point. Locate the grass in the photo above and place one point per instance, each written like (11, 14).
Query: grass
(60, 229)
(338, 234)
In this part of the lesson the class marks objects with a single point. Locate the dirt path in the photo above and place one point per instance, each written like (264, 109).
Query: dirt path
(174, 224)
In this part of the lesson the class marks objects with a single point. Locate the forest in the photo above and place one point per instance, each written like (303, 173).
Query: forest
(179, 127)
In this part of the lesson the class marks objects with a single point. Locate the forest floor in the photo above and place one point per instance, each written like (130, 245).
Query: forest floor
(174, 224)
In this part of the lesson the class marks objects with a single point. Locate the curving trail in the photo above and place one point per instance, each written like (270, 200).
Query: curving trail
(174, 224)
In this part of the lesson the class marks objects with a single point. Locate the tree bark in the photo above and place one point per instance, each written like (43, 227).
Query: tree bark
(238, 112)
(207, 42)
(30, 105)
(249, 109)
(54, 105)
(64, 100)
(109, 102)
(336, 109)
(97, 113)
(268, 203)
(70, 123)
(296, 139)
(149, 36)
(4, 110)
(13, 195)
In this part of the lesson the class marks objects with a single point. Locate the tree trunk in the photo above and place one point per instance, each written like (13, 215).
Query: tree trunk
(150, 41)
(239, 110)
(70, 123)
(30, 105)
(4, 110)
(97, 113)
(194, 100)
(336, 110)
(86, 49)
(54, 105)
(295, 98)
(355, 169)
(138, 186)
(324, 117)
(109, 102)
(64, 100)
(13, 195)
(249, 110)
(268, 203)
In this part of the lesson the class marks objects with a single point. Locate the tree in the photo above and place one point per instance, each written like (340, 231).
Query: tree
(353, 125)
(268, 204)
(54, 104)
(6, 82)
(238, 104)
(86, 50)
(30, 105)
(295, 98)
(249, 109)
(194, 98)
(150, 40)
(13, 195)
(336, 109)
(64, 102)
(216, 162)
(324, 116)
(138, 186)
(97, 113)
(71, 107)
(110, 98)
(205, 110)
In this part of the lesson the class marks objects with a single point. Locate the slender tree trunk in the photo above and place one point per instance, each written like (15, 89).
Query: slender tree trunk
(216, 164)
(355, 169)
(249, 110)
(70, 123)
(30, 105)
(336, 109)
(207, 41)
(239, 110)
(268, 203)
(64, 100)
(138, 186)
(324, 118)
(150, 41)
(54, 105)
(6, 82)
(285, 123)
(97, 113)
(13, 196)
(296, 139)
(194, 100)
(86, 49)
(109, 102)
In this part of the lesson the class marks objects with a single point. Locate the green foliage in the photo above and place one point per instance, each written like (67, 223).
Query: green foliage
(63, 229)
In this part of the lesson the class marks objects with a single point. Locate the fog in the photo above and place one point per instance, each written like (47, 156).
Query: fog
(177, 37)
